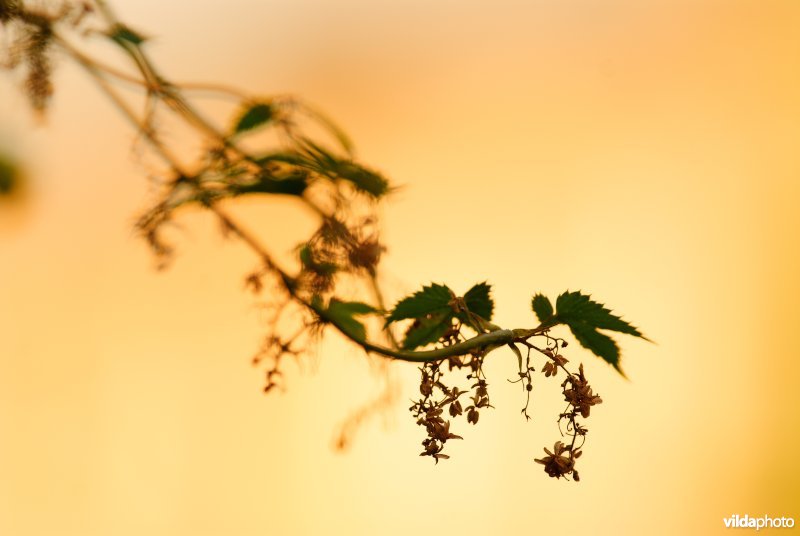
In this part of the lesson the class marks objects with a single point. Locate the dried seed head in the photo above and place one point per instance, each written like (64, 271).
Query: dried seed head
(366, 255)
(8, 10)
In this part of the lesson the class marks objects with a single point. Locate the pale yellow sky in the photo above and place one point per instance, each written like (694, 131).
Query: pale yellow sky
(645, 152)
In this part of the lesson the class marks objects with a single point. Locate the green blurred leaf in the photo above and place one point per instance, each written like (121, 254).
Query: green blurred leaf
(9, 176)
(284, 158)
(354, 307)
(426, 331)
(479, 301)
(294, 184)
(363, 179)
(350, 326)
(254, 115)
(326, 163)
(124, 36)
(342, 313)
(542, 307)
(433, 299)
(306, 257)
(324, 158)
(309, 262)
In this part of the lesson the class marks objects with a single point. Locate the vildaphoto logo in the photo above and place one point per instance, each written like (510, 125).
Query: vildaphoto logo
(746, 522)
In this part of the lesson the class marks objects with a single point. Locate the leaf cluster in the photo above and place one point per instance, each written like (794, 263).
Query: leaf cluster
(436, 307)
(307, 159)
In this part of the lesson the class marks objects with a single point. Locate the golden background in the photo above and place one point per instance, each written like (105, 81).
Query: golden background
(646, 152)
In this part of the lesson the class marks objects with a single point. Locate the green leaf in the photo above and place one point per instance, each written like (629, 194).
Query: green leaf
(426, 331)
(330, 165)
(294, 184)
(309, 262)
(324, 158)
(124, 36)
(306, 257)
(254, 116)
(542, 307)
(433, 299)
(284, 158)
(584, 317)
(361, 178)
(598, 343)
(354, 307)
(574, 307)
(341, 313)
(479, 301)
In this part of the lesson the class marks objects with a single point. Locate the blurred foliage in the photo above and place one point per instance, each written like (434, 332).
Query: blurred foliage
(9, 176)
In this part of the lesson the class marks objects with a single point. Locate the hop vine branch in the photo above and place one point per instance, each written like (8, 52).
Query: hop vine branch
(334, 282)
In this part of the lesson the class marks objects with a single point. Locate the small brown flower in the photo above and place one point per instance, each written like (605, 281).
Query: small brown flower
(441, 432)
(580, 395)
(426, 387)
(454, 361)
(472, 416)
(555, 464)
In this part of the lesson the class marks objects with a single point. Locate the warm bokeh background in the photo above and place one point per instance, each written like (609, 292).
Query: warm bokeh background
(646, 152)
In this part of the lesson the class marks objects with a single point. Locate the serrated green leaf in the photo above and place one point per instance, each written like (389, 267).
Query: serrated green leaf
(575, 307)
(433, 299)
(542, 307)
(598, 343)
(479, 301)
(584, 317)
(254, 115)
(426, 331)
(124, 36)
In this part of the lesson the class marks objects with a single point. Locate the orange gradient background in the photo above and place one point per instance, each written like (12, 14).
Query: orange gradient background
(646, 152)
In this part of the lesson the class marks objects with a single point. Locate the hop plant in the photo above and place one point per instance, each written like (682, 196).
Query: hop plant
(333, 286)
